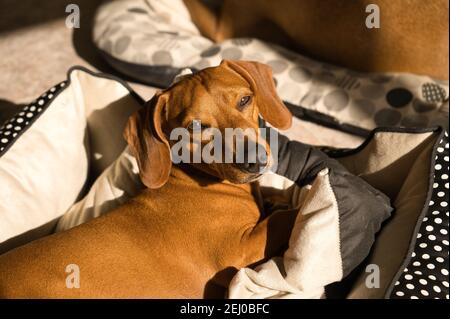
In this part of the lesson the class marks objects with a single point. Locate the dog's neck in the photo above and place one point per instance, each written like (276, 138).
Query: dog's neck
(188, 174)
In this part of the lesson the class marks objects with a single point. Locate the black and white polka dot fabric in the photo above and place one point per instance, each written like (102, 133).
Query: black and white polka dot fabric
(152, 41)
(11, 130)
(433, 93)
(427, 274)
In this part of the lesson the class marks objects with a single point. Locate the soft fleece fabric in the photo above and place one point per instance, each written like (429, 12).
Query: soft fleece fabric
(339, 215)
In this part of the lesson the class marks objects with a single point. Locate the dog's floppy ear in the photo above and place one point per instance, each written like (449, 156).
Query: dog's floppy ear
(148, 144)
(259, 76)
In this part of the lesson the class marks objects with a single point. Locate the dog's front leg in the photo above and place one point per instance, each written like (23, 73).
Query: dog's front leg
(268, 238)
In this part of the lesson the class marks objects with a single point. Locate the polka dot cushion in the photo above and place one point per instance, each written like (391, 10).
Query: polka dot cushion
(427, 272)
(18, 124)
(52, 148)
(153, 40)
(41, 151)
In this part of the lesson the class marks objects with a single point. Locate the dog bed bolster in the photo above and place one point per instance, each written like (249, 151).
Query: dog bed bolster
(349, 211)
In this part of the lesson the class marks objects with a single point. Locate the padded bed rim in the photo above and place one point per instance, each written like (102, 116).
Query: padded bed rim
(419, 220)
(105, 76)
(336, 153)
(34, 119)
(147, 74)
(59, 91)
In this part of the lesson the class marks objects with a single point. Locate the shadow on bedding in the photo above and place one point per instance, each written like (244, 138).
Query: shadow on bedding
(8, 109)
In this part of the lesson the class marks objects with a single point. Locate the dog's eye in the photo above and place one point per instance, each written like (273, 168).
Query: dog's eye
(196, 125)
(244, 101)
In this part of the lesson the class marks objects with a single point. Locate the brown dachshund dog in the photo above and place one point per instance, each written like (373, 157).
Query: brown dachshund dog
(195, 224)
(412, 35)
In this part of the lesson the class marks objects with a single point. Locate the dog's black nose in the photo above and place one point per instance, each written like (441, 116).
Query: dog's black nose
(254, 164)
(251, 167)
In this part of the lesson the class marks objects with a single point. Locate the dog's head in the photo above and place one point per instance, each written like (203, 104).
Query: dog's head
(229, 96)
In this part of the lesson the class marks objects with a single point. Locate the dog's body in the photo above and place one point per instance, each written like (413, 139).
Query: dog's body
(413, 34)
(186, 234)
(185, 239)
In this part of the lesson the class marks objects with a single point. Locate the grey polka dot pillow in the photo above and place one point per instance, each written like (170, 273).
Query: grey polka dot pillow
(153, 40)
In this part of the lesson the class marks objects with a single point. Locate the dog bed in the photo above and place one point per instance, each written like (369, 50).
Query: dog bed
(152, 40)
(47, 178)
(52, 147)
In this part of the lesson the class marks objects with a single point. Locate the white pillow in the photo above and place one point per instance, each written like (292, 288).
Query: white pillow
(46, 150)
(116, 184)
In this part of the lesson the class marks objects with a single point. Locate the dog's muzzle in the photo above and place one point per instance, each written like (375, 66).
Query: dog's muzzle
(256, 164)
